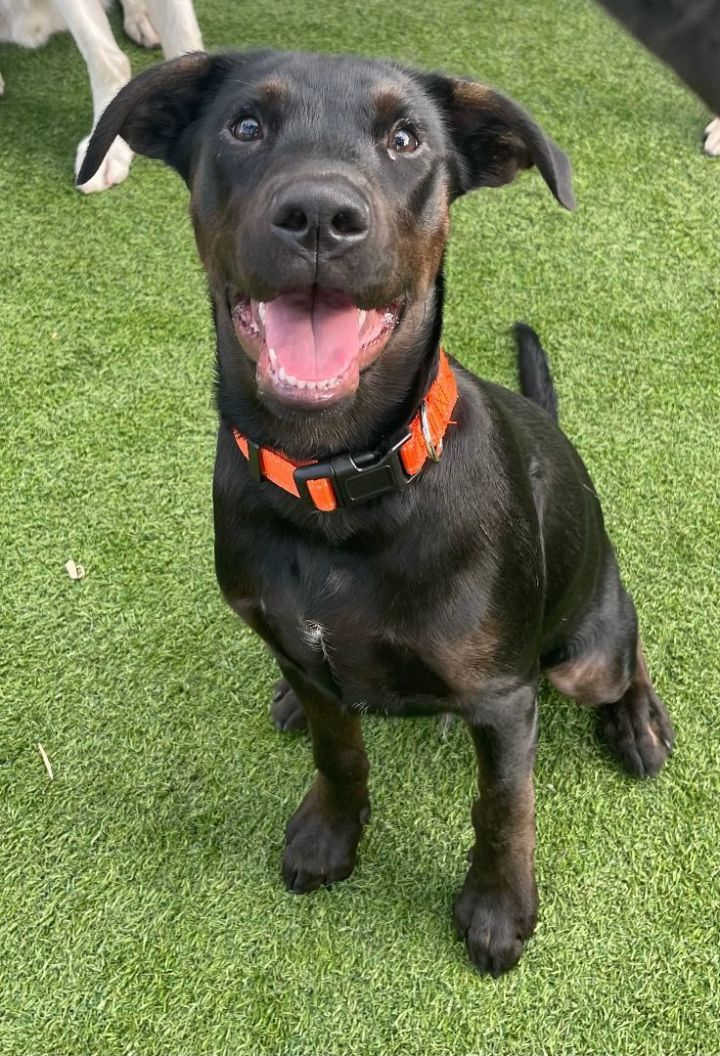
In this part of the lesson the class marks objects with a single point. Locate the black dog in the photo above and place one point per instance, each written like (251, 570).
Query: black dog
(406, 538)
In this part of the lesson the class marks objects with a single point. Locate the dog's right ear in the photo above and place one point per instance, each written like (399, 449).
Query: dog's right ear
(154, 111)
(492, 138)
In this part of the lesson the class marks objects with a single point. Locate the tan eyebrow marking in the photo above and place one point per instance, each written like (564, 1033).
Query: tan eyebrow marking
(387, 101)
(274, 90)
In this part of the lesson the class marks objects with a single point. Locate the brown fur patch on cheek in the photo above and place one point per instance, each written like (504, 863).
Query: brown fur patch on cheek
(206, 237)
(215, 240)
(436, 247)
(422, 254)
(419, 241)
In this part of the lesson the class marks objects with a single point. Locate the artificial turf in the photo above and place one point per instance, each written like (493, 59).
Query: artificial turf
(141, 907)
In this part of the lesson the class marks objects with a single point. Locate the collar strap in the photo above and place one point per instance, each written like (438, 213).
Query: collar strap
(348, 480)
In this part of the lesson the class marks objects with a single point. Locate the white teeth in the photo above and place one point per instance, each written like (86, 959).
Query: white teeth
(297, 383)
(261, 311)
(362, 316)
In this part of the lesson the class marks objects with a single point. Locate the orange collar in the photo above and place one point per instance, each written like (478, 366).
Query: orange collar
(347, 480)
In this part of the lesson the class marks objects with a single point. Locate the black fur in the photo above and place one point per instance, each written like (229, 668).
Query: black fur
(535, 378)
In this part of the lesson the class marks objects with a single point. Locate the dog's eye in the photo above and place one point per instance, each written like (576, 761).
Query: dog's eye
(403, 140)
(246, 129)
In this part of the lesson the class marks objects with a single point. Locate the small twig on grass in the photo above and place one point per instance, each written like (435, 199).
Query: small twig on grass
(46, 761)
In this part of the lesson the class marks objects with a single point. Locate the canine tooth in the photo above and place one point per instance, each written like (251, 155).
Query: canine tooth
(261, 311)
(273, 357)
(362, 316)
(282, 375)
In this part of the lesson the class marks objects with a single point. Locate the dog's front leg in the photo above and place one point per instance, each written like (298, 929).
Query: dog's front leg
(177, 26)
(322, 836)
(496, 910)
(109, 70)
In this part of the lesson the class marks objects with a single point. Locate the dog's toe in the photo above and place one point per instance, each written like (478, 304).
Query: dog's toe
(638, 731)
(320, 847)
(114, 168)
(288, 714)
(139, 28)
(494, 927)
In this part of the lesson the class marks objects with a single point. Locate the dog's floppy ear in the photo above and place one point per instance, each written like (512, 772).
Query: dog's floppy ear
(493, 138)
(154, 111)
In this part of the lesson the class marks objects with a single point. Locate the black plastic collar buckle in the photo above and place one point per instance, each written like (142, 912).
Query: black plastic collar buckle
(356, 480)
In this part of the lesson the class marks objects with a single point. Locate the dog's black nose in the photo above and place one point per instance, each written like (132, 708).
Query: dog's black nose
(328, 218)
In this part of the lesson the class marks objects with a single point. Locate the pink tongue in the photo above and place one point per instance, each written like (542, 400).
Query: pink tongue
(314, 338)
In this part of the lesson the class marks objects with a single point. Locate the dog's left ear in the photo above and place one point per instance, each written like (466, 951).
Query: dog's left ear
(493, 138)
(154, 112)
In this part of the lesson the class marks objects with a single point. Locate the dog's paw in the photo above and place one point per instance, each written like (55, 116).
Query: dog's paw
(288, 714)
(137, 25)
(638, 731)
(712, 138)
(321, 842)
(495, 925)
(114, 168)
(2, 87)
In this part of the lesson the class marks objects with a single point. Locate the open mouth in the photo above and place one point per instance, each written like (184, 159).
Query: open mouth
(310, 345)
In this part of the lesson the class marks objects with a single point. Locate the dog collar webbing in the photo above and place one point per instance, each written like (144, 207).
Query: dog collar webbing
(347, 480)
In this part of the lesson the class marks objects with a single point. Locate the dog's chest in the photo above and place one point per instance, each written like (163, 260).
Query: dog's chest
(312, 614)
(380, 642)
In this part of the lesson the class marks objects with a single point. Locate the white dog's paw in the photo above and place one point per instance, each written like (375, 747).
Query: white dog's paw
(2, 87)
(137, 25)
(712, 138)
(114, 168)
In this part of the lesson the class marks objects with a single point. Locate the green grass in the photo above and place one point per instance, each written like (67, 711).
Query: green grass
(141, 909)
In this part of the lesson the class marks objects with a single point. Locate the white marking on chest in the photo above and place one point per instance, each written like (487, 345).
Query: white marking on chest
(316, 636)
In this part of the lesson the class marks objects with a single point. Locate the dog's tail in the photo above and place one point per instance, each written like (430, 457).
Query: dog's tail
(535, 378)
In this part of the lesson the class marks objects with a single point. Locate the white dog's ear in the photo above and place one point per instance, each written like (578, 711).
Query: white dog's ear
(492, 138)
(154, 111)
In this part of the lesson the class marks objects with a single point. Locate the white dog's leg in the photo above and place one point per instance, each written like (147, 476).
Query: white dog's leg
(177, 26)
(712, 138)
(109, 70)
(137, 24)
(2, 86)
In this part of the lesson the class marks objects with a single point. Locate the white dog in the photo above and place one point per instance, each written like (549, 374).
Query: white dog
(170, 24)
(712, 138)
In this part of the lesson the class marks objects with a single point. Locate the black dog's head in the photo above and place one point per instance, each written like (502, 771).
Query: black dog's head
(320, 194)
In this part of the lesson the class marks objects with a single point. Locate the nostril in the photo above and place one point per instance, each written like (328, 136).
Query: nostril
(292, 218)
(349, 222)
